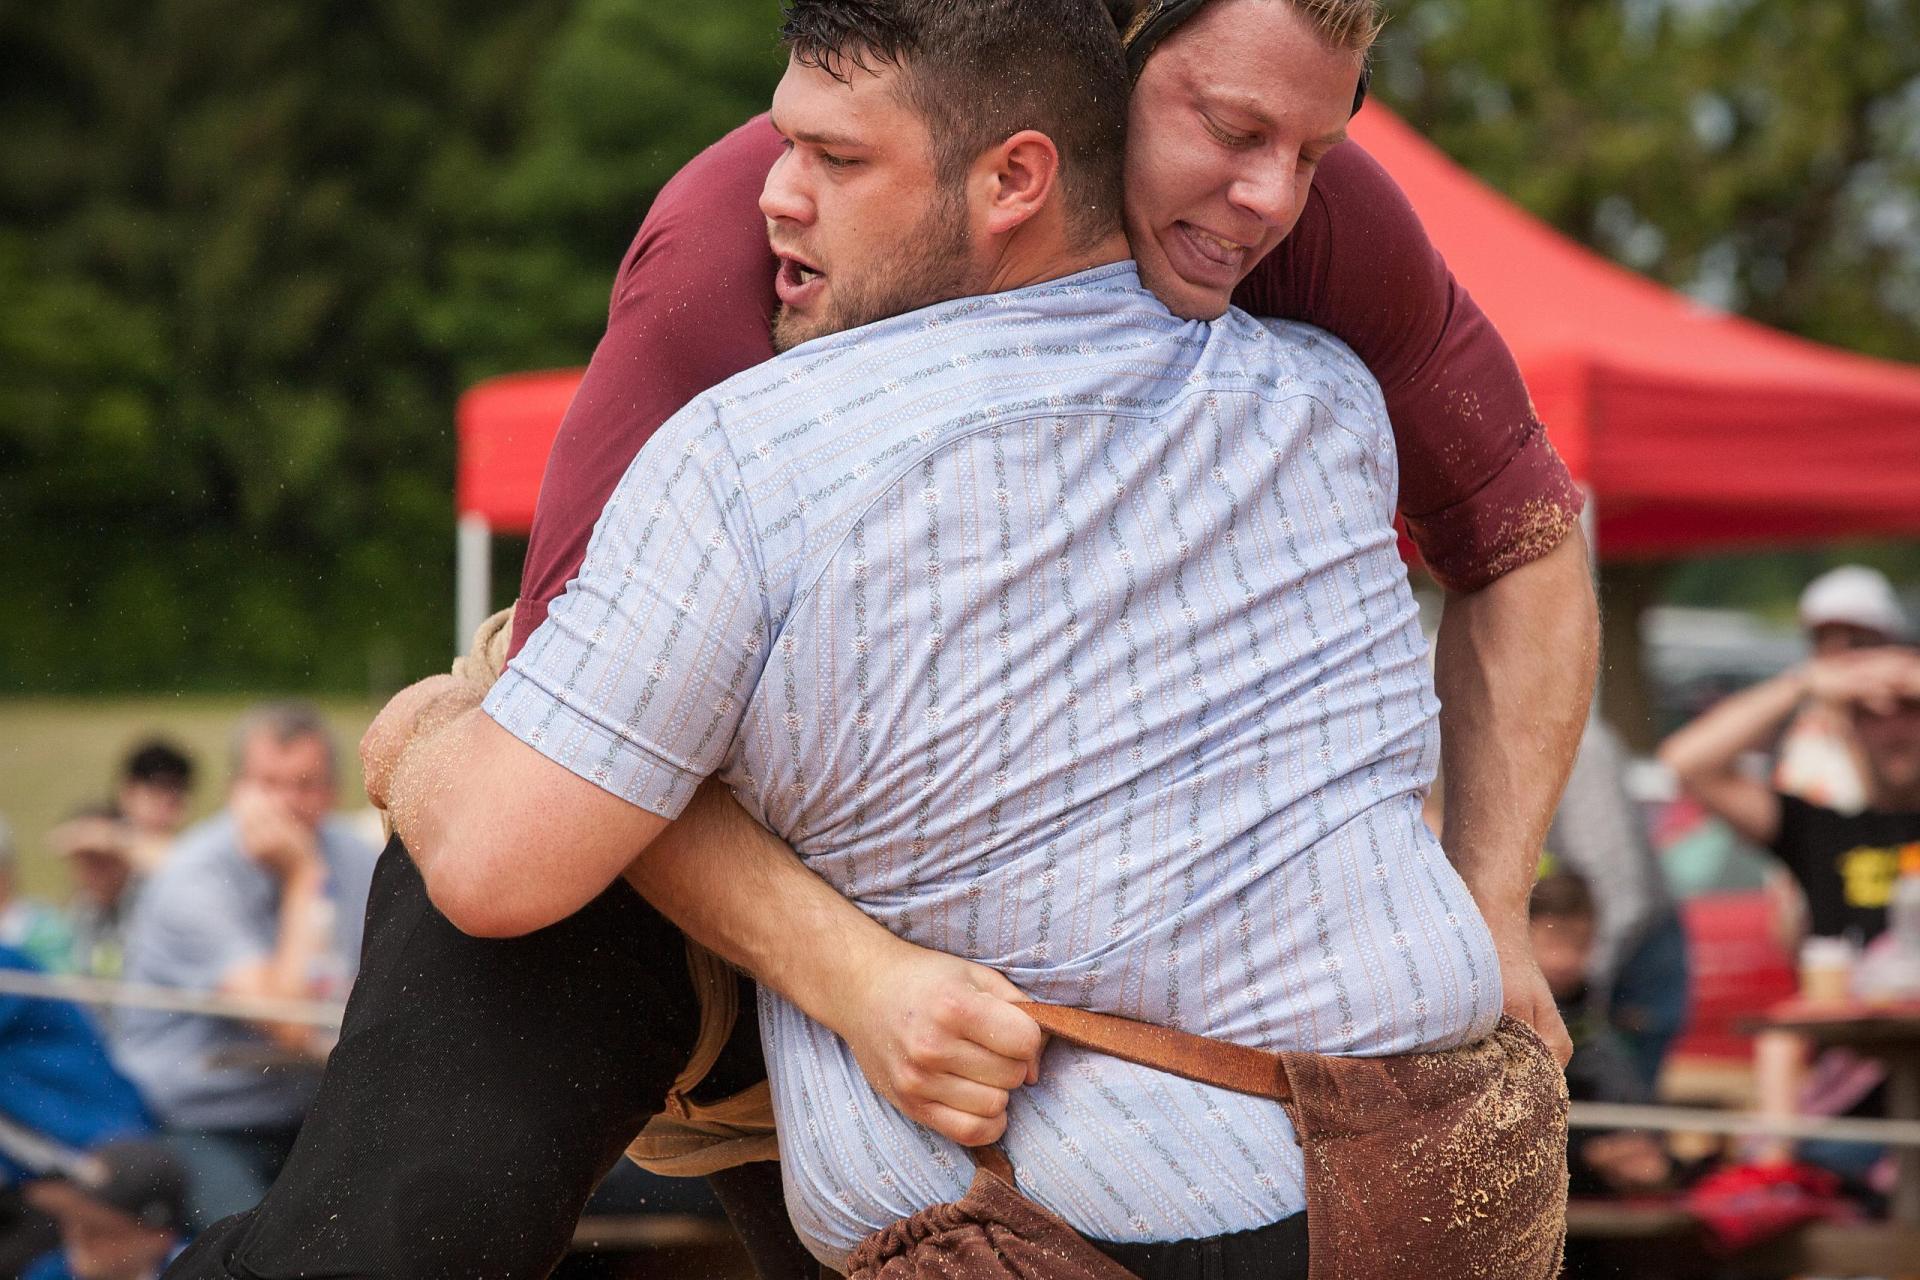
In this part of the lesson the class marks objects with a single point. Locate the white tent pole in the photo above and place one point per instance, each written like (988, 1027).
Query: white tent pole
(473, 579)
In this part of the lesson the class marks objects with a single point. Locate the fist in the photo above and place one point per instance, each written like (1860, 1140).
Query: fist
(940, 1039)
(416, 710)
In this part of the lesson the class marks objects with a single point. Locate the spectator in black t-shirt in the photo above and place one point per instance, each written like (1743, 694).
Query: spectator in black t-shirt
(1845, 863)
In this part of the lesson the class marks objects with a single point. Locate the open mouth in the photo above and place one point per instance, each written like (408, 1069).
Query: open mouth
(798, 281)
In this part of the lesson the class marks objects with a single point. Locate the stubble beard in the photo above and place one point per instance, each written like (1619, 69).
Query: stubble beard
(932, 263)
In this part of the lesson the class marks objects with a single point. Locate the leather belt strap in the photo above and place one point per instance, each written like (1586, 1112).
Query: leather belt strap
(1145, 1044)
(1178, 1053)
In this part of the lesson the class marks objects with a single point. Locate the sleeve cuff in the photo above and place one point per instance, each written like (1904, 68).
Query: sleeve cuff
(1521, 514)
(582, 744)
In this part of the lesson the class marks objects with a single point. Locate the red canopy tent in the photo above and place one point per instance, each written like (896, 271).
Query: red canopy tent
(1695, 430)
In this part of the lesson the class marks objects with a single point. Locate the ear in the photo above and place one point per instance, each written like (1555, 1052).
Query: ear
(1020, 176)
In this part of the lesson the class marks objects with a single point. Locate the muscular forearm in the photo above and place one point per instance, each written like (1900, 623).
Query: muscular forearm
(738, 890)
(936, 1035)
(1515, 667)
(507, 840)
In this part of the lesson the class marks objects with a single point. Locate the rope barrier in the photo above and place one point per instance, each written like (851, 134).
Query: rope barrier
(1609, 1115)
(326, 1014)
(130, 995)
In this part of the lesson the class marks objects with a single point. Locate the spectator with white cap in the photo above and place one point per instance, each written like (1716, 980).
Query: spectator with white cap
(1846, 863)
(1852, 607)
(1841, 611)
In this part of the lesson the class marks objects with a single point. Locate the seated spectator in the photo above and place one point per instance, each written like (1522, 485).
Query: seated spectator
(97, 846)
(58, 1087)
(121, 1213)
(264, 899)
(155, 783)
(1565, 926)
(27, 924)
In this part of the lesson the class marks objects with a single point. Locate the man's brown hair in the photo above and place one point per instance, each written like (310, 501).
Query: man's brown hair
(980, 71)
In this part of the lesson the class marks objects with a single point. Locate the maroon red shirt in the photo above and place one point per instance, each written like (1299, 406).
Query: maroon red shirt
(1481, 489)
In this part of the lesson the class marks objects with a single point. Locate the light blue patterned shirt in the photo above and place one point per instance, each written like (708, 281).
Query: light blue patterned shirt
(1070, 637)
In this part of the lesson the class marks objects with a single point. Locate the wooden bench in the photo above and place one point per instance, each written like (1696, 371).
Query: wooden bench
(1659, 1242)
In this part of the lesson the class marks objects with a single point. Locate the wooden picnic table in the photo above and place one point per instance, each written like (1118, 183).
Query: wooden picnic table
(1889, 1033)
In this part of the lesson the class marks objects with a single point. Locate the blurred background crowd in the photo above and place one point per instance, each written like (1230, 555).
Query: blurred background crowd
(1768, 852)
(250, 257)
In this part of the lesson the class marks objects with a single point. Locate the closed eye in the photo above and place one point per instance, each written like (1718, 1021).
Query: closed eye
(1231, 138)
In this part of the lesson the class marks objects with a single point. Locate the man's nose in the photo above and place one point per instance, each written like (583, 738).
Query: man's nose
(784, 198)
(1270, 190)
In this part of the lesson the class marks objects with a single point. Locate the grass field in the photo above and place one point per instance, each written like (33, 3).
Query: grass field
(56, 754)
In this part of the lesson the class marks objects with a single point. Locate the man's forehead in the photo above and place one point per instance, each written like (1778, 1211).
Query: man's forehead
(1235, 70)
(861, 107)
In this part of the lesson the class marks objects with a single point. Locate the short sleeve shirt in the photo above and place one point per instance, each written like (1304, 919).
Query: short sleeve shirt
(207, 910)
(1846, 863)
(1482, 489)
(1072, 638)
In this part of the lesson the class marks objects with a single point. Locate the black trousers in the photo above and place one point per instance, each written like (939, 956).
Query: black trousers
(1275, 1252)
(480, 1091)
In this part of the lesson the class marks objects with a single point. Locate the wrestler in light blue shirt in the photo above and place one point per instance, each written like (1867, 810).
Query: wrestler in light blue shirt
(1070, 637)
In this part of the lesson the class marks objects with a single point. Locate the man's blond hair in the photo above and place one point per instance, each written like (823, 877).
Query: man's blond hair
(1343, 24)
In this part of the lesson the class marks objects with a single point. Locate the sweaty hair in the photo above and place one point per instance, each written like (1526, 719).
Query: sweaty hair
(1343, 24)
(980, 71)
(158, 763)
(1561, 895)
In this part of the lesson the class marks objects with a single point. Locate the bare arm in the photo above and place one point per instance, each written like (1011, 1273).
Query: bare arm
(1514, 665)
(935, 1035)
(507, 841)
(1705, 755)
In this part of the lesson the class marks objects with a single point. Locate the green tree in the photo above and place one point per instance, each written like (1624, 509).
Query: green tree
(1763, 155)
(250, 254)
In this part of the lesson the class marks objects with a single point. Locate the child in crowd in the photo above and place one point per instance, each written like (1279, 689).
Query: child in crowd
(1564, 925)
